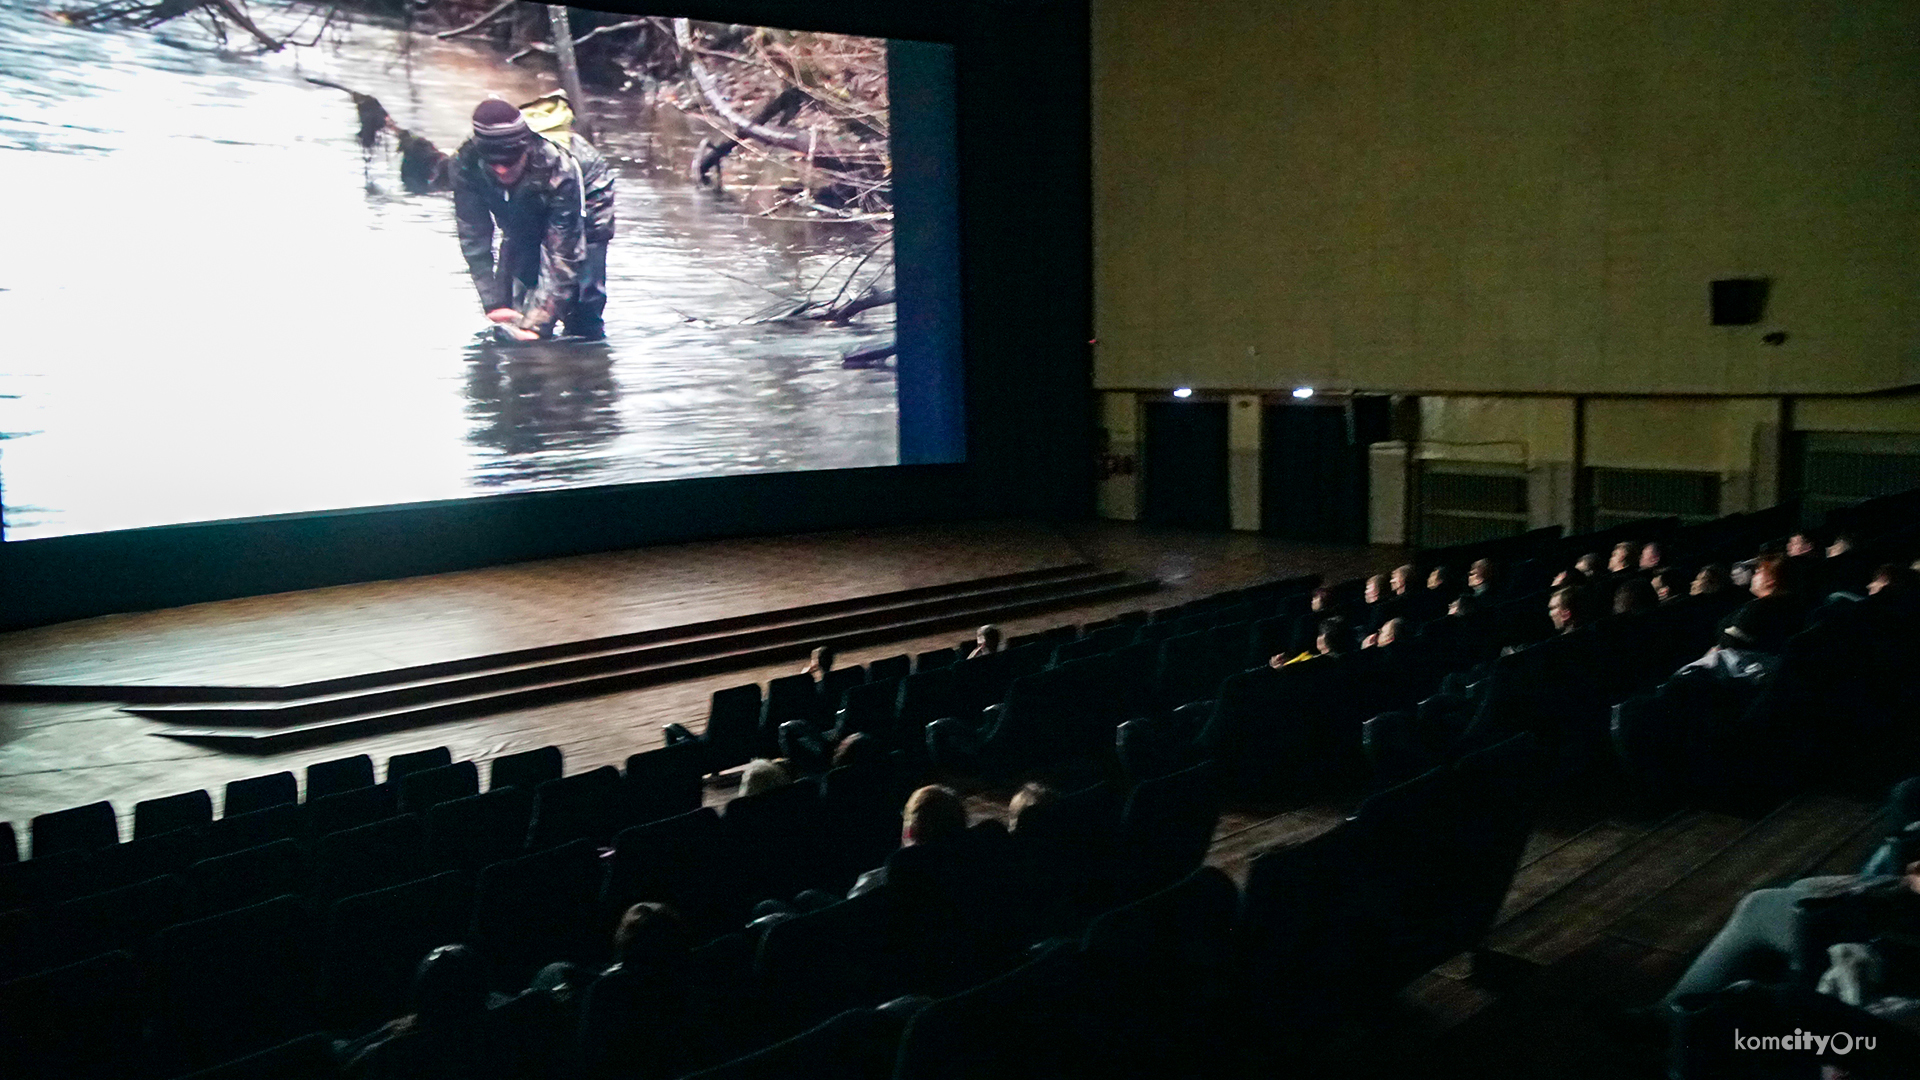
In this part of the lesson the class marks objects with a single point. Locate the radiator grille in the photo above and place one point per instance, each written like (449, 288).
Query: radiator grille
(1467, 507)
(1624, 495)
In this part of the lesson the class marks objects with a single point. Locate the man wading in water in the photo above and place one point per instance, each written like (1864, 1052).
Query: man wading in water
(554, 209)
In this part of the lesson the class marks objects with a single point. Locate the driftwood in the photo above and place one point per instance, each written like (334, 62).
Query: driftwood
(477, 23)
(423, 166)
(149, 15)
(875, 298)
(875, 356)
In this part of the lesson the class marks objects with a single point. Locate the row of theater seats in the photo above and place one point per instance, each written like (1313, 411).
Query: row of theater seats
(173, 995)
(1106, 671)
(1171, 976)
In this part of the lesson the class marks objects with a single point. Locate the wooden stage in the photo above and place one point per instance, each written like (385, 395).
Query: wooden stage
(56, 754)
(1611, 900)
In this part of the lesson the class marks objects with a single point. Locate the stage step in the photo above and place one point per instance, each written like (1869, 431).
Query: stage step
(414, 697)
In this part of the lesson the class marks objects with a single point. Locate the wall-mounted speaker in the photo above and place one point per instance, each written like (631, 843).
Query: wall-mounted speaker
(1738, 301)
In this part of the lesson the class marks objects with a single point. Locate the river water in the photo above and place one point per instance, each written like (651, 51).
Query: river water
(212, 307)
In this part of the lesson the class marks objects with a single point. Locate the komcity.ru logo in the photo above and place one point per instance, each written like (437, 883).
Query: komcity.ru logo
(1839, 1042)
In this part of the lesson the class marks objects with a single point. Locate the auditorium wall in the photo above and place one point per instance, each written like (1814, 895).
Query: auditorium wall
(1505, 207)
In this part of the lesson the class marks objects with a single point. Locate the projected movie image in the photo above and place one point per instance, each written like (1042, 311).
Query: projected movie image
(271, 258)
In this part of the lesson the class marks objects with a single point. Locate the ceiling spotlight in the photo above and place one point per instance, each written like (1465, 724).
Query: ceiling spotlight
(1183, 392)
(1303, 392)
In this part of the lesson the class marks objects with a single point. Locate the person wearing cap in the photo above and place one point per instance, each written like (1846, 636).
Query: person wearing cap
(508, 178)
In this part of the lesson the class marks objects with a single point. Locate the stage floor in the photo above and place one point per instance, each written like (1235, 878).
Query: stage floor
(56, 756)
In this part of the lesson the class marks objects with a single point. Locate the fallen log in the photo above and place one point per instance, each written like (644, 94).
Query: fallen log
(873, 357)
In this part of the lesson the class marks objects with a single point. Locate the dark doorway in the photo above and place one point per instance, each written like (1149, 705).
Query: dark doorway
(1313, 474)
(1184, 474)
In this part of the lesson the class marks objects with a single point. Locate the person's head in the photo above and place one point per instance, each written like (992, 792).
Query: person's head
(650, 935)
(763, 775)
(1894, 579)
(821, 661)
(1589, 564)
(504, 140)
(1842, 543)
(1623, 556)
(1712, 578)
(1769, 576)
(987, 638)
(1650, 555)
(1565, 609)
(1322, 599)
(1634, 596)
(1463, 605)
(1402, 579)
(1390, 631)
(1480, 574)
(1031, 803)
(933, 814)
(1376, 588)
(1337, 636)
(449, 986)
(1799, 544)
(859, 750)
(1438, 579)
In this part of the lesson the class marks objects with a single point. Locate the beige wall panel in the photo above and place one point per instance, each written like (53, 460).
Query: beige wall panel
(1900, 415)
(1508, 431)
(1505, 194)
(1696, 434)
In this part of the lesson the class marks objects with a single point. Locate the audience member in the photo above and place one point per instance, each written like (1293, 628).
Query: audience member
(820, 662)
(762, 774)
(1032, 803)
(1382, 603)
(1624, 557)
(1789, 929)
(1650, 556)
(1712, 580)
(1895, 580)
(1390, 631)
(986, 642)
(1567, 608)
(1481, 578)
(1846, 569)
(1633, 596)
(1337, 637)
(860, 751)
(1667, 585)
(444, 1036)
(632, 1015)
(1306, 628)
(934, 816)
(1751, 642)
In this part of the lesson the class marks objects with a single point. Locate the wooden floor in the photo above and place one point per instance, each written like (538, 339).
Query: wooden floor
(1611, 900)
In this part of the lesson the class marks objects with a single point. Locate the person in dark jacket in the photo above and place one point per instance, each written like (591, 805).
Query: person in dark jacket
(445, 1036)
(506, 178)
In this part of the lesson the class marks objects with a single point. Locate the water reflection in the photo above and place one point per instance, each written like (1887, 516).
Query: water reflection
(543, 406)
(234, 313)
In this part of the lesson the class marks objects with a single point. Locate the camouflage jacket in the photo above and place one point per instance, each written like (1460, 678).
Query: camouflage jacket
(541, 213)
(599, 182)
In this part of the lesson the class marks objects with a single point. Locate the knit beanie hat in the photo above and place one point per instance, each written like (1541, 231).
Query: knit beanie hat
(499, 130)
